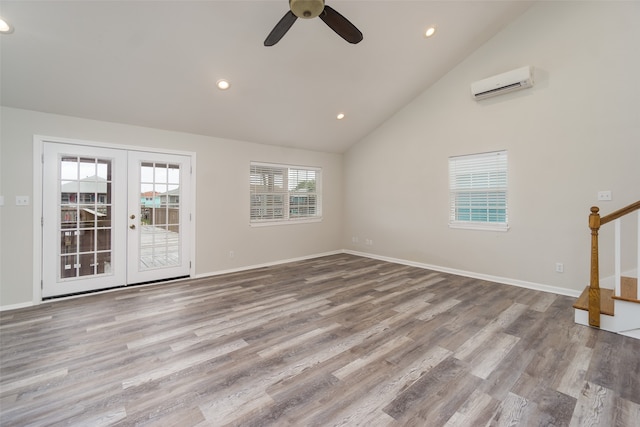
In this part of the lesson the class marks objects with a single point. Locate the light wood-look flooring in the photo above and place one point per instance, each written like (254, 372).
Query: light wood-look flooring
(338, 340)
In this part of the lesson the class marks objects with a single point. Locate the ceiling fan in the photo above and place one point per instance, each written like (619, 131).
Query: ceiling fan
(308, 9)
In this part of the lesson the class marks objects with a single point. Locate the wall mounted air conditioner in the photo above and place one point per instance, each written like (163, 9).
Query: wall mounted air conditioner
(510, 81)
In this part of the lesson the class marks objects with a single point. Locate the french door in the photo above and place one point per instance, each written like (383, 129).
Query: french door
(113, 217)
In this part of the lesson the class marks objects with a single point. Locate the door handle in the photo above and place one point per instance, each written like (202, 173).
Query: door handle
(132, 226)
(133, 216)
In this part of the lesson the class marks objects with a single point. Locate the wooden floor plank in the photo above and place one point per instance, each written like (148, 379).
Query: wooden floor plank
(335, 340)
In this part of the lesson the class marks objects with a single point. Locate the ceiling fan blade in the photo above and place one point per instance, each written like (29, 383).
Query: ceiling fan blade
(280, 29)
(341, 25)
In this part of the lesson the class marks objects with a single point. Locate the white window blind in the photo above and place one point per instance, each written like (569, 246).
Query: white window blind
(478, 191)
(284, 193)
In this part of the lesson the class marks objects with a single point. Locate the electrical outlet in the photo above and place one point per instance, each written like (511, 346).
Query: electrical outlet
(354, 239)
(559, 267)
(368, 242)
(232, 254)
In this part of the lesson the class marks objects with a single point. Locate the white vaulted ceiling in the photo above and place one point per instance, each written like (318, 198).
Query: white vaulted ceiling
(156, 63)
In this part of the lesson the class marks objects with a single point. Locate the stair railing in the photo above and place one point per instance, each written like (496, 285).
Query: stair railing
(595, 222)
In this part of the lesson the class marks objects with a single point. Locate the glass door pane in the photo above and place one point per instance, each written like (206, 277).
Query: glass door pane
(159, 215)
(85, 216)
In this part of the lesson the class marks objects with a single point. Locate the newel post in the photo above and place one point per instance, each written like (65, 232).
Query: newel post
(594, 282)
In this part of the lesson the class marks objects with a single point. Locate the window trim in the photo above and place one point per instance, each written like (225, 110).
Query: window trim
(288, 220)
(480, 225)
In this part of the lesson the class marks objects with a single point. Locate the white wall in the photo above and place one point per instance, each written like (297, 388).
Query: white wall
(576, 132)
(222, 209)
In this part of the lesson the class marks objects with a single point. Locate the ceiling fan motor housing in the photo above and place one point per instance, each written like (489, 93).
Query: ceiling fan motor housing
(306, 9)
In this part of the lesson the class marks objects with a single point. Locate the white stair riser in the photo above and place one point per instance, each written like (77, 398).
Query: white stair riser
(628, 314)
(635, 333)
(626, 319)
(606, 321)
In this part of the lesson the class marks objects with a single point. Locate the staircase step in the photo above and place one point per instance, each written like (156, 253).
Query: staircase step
(606, 301)
(628, 290)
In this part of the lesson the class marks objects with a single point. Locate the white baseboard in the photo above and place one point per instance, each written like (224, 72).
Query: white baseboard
(266, 264)
(16, 306)
(497, 279)
(490, 278)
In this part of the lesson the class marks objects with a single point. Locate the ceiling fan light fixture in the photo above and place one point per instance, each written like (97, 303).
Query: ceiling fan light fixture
(223, 84)
(5, 28)
(430, 31)
(310, 9)
(306, 9)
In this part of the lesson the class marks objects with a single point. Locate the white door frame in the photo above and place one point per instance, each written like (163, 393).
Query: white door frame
(38, 158)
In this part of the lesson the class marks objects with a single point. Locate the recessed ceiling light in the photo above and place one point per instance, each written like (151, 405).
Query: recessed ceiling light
(223, 84)
(340, 116)
(430, 31)
(5, 28)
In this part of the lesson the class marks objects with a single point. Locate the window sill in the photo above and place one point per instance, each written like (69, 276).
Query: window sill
(479, 226)
(287, 222)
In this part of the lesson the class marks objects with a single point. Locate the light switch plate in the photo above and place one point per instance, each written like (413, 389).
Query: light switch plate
(22, 200)
(604, 195)
(1, 200)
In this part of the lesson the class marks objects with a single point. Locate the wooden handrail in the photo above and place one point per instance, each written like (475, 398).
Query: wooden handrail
(619, 213)
(594, 280)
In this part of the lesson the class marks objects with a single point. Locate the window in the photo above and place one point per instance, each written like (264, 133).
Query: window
(284, 193)
(478, 191)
